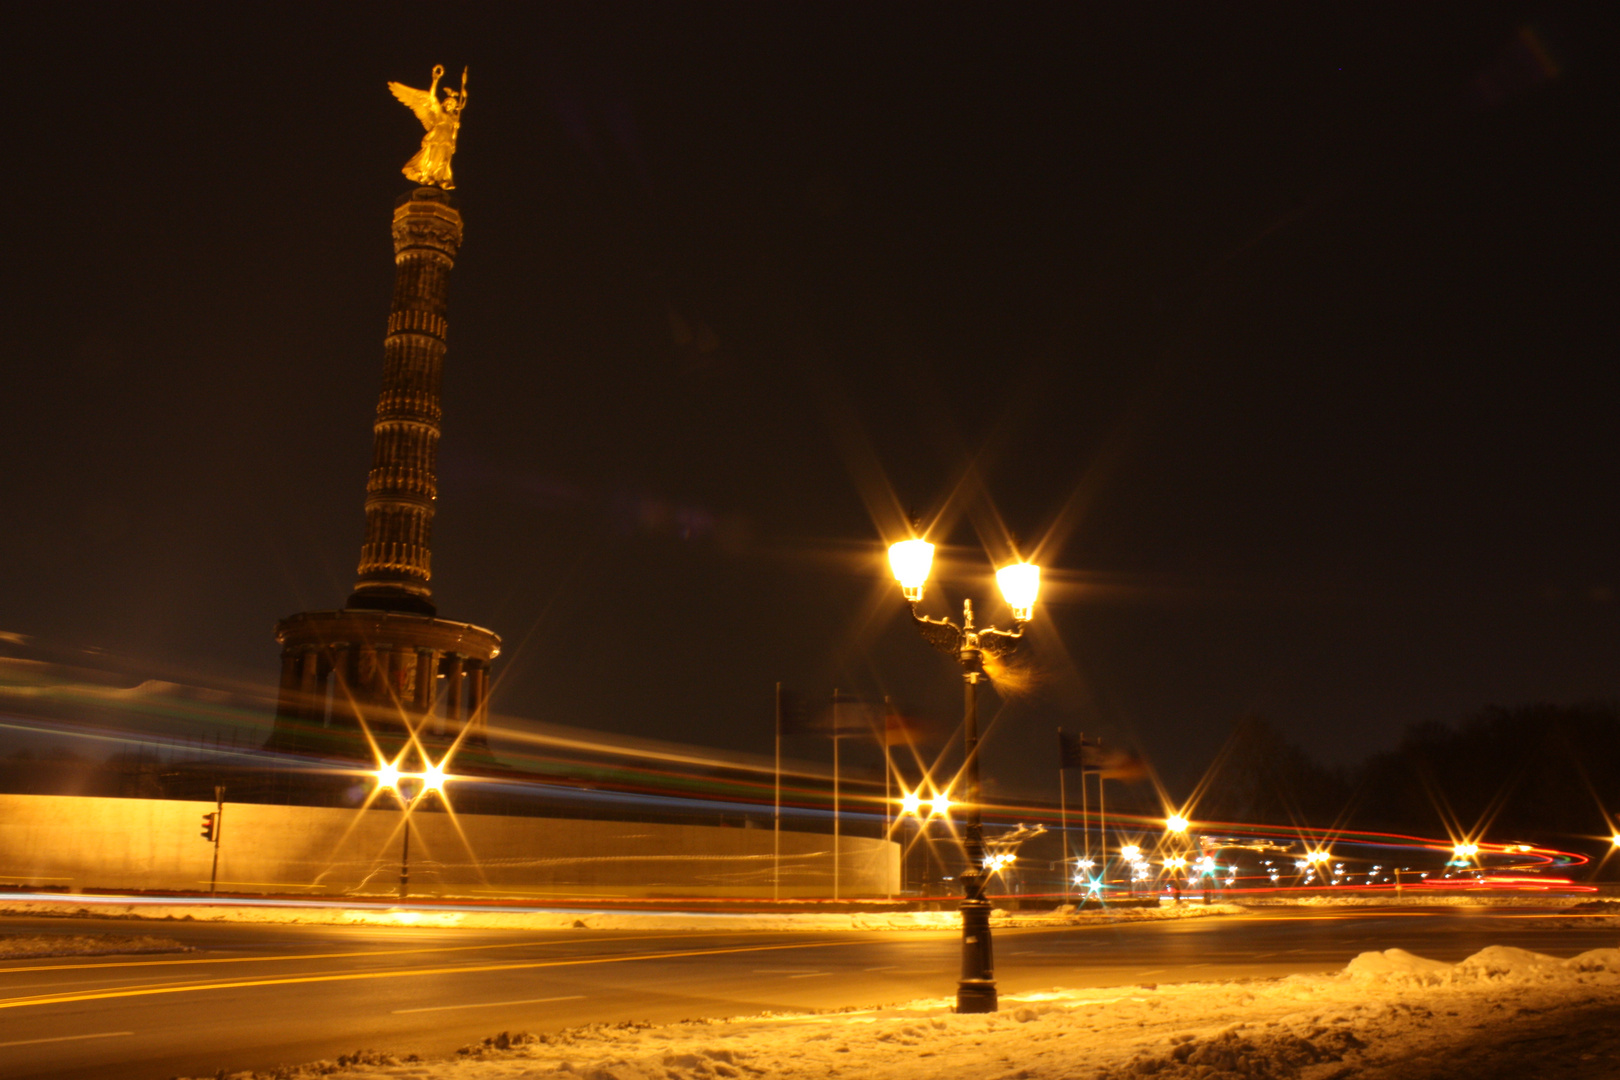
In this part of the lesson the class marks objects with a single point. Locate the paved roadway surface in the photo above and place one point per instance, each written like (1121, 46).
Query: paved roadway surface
(255, 996)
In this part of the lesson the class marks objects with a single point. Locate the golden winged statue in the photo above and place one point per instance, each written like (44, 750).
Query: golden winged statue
(431, 165)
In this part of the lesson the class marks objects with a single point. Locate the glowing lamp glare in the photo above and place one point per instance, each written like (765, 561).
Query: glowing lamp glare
(1020, 584)
(911, 560)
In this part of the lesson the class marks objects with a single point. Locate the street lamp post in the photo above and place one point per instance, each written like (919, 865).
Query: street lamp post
(429, 782)
(967, 644)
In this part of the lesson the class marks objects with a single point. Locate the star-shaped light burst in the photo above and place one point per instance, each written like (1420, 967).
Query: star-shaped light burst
(390, 777)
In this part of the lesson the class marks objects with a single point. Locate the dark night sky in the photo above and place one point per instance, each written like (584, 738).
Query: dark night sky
(1279, 331)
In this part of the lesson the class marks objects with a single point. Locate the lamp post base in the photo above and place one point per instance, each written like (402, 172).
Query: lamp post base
(976, 996)
(976, 992)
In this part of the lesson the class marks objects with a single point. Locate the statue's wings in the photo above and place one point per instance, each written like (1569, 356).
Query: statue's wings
(940, 633)
(419, 102)
(1000, 643)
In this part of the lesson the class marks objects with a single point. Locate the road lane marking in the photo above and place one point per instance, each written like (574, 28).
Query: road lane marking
(886, 967)
(810, 975)
(395, 973)
(322, 956)
(68, 1038)
(492, 1004)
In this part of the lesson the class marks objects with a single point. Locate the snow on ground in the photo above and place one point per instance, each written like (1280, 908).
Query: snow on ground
(437, 917)
(22, 946)
(1389, 1015)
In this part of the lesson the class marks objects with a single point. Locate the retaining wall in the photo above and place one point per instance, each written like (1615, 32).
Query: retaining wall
(97, 843)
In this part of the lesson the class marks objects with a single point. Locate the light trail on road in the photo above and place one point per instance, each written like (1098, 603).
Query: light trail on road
(408, 993)
(390, 973)
(307, 956)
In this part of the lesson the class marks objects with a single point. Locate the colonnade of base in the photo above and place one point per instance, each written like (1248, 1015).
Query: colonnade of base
(357, 683)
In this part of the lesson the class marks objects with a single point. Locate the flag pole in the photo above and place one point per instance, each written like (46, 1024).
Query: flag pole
(888, 779)
(1063, 801)
(776, 811)
(836, 860)
(1085, 803)
(1086, 808)
(1102, 823)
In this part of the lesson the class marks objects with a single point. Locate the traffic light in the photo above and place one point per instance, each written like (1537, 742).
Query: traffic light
(208, 827)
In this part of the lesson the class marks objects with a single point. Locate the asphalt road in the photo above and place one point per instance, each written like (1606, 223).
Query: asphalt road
(256, 996)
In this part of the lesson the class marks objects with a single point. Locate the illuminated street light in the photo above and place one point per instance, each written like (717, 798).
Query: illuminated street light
(967, 645)
(1176, 823)
(1020, 584)
(1129, 852)
(911, 560)
(389, 778)
(940, 805)
(910, 804)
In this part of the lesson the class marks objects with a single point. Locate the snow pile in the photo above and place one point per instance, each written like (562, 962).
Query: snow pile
(1400, 966)
(22, 946)
(1502, 962)
(1387, 1011)
(444, 918)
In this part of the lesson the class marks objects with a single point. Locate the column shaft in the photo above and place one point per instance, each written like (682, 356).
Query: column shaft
(396, 560)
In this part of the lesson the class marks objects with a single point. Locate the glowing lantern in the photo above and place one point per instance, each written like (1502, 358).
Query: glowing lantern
(911, 560)
(1020, 584)
(388, 776)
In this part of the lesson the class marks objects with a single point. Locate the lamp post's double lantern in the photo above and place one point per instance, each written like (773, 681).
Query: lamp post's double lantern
(911, 561)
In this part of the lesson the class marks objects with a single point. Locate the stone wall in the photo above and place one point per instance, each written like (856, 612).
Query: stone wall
(96, 843)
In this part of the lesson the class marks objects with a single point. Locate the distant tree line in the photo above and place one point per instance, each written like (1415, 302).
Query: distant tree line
(1535, 773)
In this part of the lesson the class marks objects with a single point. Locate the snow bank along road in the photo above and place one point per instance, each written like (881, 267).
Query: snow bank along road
(255, 996)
